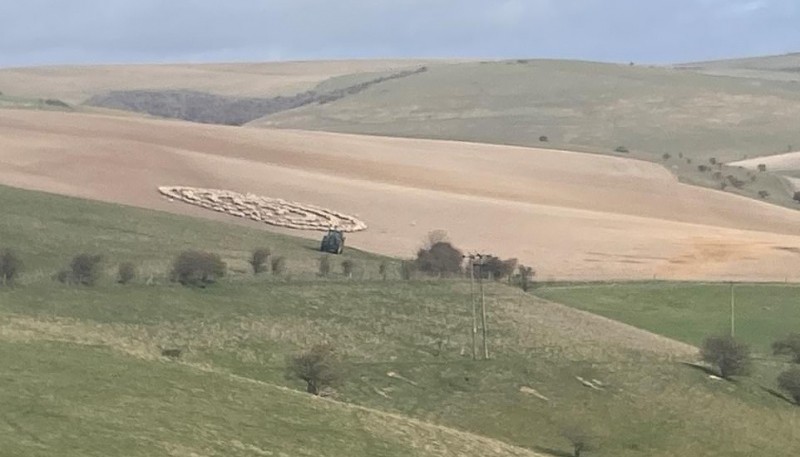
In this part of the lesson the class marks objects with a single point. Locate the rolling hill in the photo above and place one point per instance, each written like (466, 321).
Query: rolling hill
(84, 375)
(572, 215)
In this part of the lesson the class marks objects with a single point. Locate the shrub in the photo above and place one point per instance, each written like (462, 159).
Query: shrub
(730, 357)
(495, 268)
(83, 269)
(319, 367)
(789, 381)
(258, 260)
(763, 193)
(688, 161)
(197, 268)
(790, 345)
(717, 175)
(10, 266)
(126, 273)
(796, 197)
(666, 156)
(525, 276)
(622, 150)
(680, 155)
(278, 266)
(543, 139)
(702, 168)
(408, 269)
(712, 161)
(324, 266)
(383, 270)
(347, 268)
(441, 259)
(762, 167)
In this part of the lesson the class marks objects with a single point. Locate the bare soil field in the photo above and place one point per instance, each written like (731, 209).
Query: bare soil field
(75, 84)
(571, 215)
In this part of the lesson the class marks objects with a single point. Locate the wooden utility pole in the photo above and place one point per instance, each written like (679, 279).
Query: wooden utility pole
(474, 310)
(733, 313)
(483, 307)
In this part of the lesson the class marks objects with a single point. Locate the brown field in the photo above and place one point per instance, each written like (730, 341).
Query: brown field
(75, 84)
(571, 215)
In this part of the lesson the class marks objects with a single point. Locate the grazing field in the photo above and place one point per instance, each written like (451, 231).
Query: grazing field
(574, 216)
(89, 357)
(690, 312)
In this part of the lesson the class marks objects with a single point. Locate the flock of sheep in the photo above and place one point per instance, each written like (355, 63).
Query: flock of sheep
(272, 211)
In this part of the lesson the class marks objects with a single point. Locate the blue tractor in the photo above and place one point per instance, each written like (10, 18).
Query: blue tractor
(333, 242)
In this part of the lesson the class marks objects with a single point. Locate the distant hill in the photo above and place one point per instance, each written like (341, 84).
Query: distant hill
(784, 67)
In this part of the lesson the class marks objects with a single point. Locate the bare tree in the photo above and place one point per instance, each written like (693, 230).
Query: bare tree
(729, 356)
(319, 367)
(790, 345)
(10, 266)
(347, 268)
(258, 260)
(278, 266)
(126, 272)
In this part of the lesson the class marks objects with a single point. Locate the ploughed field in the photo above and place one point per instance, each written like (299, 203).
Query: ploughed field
(572, 215)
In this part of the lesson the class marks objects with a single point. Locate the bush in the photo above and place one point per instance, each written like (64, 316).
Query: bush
(495, 268)
(688, 160)
(543, 139)
(730, 357)
(789, 381)
(324, 266)
(347, 268)
(525, 277)
(278, 266)
(712, 161)
(702, 168)
(790, 346)
(383, 270)
(10, 266)
(796, 197)
(666, 156)
(258, 260)
(441, 259)
(319, 367)
(763, 193)
(197, 268)
(126, 273)
(762, 167)
(408, 269)
(622, 150)
(84, 269)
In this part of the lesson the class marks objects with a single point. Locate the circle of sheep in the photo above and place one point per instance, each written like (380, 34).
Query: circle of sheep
(272, 211)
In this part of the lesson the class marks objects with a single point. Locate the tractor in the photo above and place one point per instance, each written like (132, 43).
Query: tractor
(333, 242)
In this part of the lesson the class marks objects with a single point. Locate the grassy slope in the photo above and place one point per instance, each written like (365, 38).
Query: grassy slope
(580, 106)
(651, 405)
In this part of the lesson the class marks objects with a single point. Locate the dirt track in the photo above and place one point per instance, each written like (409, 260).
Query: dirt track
(571, 215)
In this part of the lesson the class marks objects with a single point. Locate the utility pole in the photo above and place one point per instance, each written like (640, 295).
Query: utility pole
(733, 313)
(483, 307)
(474, 310)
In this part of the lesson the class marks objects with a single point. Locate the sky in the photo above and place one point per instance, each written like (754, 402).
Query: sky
(48, 32)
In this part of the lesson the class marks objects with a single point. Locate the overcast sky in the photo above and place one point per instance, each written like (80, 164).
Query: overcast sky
(36, 32)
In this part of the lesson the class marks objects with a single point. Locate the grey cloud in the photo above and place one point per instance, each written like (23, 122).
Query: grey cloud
(97, 31)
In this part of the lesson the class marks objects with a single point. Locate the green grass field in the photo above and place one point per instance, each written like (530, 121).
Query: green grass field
(691, 312)
(82, 372)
